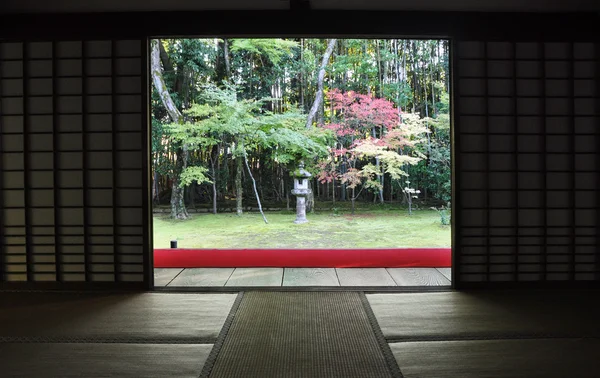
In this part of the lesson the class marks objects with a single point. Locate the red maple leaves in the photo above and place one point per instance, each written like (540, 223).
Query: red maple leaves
(359, 114)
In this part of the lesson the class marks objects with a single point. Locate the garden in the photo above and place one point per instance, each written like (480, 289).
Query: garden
(234, 119)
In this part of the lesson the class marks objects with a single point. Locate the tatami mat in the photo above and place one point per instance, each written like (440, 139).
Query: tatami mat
(549, 358)
(301, 334)
(449, 315)
(145, 316)
(102, 360)
(439, 335)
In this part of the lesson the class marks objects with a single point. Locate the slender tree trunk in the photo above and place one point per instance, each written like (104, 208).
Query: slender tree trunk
(226, 56)
(213, 160)
(301, 76)
(319, 95)
(379, 178)
(333, 191)
(310, 199)
(254, 186)
(365, 77)
(155, 192)
(287, 197)
(415, 76)
(238, 185)
(427, 122)
(343, 186)
(379, 70)
(178, 210)
(318, 189)
(214, 186)
(431, 64)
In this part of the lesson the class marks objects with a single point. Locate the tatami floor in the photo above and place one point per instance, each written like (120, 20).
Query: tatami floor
(436, 335)
(247, 277)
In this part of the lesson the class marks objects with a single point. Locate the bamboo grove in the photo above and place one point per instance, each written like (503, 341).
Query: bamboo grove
(232, 118)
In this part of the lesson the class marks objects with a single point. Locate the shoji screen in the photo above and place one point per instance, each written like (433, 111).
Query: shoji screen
(527, 123)
(72, 161)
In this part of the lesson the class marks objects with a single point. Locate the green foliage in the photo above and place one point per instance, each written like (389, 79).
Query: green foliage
(162, 165)
(445, 214)
(227, 118)
(435, 172)
(271, 84)
(191, 174)
(273, 49)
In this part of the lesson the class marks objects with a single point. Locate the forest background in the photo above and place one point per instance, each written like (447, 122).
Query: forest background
(233, 118)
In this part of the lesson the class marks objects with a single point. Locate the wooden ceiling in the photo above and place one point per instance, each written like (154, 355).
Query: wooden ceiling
(76, 6)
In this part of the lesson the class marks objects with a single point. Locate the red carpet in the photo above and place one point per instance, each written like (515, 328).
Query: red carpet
(303, 258)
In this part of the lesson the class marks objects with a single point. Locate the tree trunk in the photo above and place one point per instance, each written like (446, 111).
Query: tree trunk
(161, 87)
(215, 153)
(319, 95)
(254, 186)
(238, 186)
(431, 64)
(310, 199)
(226, 56)
(155, 191)
(416, 88)
(379, 70)
(168, 67)
(343, 186)
(301, 76)
(178, 210)
(378, 166)
(333, 191)
(287, 198)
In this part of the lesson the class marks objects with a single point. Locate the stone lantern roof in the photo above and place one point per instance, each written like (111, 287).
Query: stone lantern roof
(301, 172)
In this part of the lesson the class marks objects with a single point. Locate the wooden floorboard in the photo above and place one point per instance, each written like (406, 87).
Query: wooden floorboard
(216, 277)
(447, 272)
(364, 277)
(102, 360)
(418, 277)
(203, 277)
(499, 358)
(256, 277)
(162, 276)
(310, 277)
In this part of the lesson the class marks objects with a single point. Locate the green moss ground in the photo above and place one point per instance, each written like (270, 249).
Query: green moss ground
(391, 228)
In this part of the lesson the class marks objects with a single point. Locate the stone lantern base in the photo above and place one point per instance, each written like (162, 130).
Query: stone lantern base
(301, 210)
(301, 204)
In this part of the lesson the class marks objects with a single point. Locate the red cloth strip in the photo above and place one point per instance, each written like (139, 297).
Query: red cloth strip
(303, 258)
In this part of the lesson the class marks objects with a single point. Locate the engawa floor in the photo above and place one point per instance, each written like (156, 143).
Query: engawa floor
(506, 334)
(289, 277)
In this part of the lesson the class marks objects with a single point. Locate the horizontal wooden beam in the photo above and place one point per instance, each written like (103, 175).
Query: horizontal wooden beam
(460, 25)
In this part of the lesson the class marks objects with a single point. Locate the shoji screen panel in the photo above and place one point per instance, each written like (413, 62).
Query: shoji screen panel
(527, 120)
(73, 132)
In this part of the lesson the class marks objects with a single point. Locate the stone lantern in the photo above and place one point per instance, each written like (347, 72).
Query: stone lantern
(301, 191)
